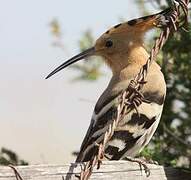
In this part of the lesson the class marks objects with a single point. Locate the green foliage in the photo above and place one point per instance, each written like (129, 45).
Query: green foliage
(175, 126)
(171, 144)
(8, 157)
(55, 28)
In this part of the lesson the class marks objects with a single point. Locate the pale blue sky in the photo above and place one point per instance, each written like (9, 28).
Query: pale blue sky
(44, 120)
(24, 24)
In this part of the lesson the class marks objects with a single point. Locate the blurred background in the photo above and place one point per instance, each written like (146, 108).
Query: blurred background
(44, 121)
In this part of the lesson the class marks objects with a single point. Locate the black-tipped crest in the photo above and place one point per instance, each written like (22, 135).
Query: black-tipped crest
(122, 26)
(116, 26)
(132, 22)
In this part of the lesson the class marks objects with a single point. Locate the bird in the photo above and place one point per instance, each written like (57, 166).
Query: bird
(122, 49)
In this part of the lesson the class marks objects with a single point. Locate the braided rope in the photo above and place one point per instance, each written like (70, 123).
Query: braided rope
(132, 97)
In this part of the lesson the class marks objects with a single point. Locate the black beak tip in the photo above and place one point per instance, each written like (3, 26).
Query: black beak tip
(47, 76)
(76, 58)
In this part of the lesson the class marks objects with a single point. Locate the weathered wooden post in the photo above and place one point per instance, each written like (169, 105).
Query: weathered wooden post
(112, 170)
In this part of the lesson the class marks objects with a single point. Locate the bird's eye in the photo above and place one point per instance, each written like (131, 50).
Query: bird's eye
(109, 43)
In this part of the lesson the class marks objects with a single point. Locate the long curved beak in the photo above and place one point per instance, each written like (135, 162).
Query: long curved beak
(82, 55)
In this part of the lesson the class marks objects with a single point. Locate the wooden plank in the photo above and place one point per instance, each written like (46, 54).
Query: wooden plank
(110, 170)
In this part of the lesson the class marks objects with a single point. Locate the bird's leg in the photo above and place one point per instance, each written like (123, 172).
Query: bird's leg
(140, 162)
(149, 161)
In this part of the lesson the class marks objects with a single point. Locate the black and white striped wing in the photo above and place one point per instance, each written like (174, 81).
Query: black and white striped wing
(132, 133)
(103, 115)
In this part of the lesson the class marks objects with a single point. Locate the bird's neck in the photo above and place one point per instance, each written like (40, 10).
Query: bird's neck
(127, 68)
(129, 64)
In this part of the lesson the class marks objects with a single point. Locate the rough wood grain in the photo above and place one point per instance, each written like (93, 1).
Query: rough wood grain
(110, 170)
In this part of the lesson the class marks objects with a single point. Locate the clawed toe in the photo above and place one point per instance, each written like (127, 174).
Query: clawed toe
(141, 162)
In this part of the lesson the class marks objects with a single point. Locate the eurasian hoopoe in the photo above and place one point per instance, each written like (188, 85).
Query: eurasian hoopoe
(122, 49)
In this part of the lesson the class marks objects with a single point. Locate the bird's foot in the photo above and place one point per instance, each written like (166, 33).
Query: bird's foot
(141, 162)
(149, 161)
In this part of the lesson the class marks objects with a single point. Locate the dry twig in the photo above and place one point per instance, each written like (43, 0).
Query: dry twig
(17, 174)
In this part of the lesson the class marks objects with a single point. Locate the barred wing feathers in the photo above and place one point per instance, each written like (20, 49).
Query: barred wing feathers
(132, 133)
(98, 126)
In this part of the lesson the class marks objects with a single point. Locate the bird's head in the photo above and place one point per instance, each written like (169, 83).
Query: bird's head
(118, 42)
